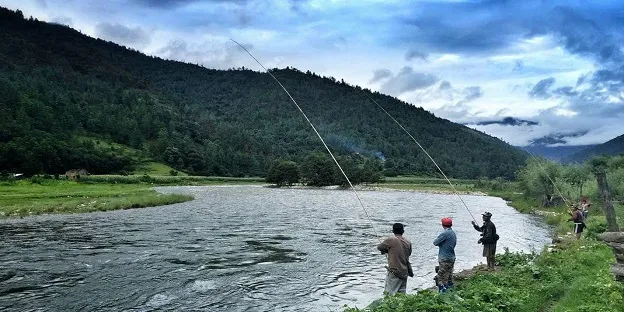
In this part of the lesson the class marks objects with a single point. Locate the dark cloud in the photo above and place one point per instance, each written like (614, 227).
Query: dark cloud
(380, 74)
(134, 37)
(407, 80)
(557, 138)
(508, 121)
(541, 89)
(415, 54)
(565, 91)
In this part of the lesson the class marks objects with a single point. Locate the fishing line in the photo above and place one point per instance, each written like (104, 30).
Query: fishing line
(317, 134)
(425, 151)
(551, 181)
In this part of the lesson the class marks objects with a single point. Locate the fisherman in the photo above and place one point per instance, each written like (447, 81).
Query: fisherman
(488, 239)
(577, 218)
(399, 249)
(584, 206)
(446, 242)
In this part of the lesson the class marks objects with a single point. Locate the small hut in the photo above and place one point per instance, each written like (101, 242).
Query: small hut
(75, 174)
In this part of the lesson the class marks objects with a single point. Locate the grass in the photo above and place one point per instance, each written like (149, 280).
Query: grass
(157, 169)
(97, 193)
(575, 277)
(25, 198)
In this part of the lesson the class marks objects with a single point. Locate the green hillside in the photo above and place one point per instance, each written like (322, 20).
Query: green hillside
(612, 147)
(58, 85)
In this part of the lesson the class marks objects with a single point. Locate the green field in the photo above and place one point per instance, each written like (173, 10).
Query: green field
(96, 193)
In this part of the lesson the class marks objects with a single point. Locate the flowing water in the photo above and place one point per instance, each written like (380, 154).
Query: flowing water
(239, 248)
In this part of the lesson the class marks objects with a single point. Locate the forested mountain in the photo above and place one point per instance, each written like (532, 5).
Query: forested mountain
(556, 153)
(612, 147)
(58, 87)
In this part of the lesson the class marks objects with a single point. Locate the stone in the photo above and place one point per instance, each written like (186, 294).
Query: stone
(612, 237)
(618, 271)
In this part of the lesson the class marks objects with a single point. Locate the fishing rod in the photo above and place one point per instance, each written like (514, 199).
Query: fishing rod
(426, 153)
(551, 181)
(317, 134)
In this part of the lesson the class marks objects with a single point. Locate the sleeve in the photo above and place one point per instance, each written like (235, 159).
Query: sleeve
(439, 239)
(478, 228)
(384, 246)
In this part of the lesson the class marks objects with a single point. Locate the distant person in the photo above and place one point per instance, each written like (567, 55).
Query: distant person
(488, 239)
(399, 249)
(577, 218)
(446, 242)
(584, 207)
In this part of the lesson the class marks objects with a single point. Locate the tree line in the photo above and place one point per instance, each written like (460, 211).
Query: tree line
(58, 86)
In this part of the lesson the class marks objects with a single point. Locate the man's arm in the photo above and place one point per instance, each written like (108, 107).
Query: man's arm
(478, 228)
(439, 239)
(384, 246)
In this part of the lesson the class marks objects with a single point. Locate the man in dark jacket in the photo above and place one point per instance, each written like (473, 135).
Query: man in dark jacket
(399, 249)
(488, 239)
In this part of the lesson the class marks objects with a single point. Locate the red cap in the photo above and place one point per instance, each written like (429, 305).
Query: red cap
(447, 221)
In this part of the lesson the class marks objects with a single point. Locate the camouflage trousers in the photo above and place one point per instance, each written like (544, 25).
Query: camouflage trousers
(445, 272)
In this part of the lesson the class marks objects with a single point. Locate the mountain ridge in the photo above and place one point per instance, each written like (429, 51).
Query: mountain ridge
(58, 83)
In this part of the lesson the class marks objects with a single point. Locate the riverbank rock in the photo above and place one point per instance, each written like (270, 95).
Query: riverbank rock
(616, 241)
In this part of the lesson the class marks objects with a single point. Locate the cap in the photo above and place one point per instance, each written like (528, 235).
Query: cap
(447, 221)
(487, 214)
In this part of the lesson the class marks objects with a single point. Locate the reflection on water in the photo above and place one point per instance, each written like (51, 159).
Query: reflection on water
(241, 248)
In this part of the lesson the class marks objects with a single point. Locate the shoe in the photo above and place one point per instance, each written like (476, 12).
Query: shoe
(449, 285)
(442, 289)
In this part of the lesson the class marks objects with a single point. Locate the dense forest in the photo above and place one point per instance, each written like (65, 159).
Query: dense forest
(62, 93)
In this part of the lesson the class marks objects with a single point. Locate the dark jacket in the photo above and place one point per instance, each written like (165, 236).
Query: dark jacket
(489, 232)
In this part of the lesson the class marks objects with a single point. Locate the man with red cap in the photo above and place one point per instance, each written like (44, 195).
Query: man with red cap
(399, 268)
(446, 242)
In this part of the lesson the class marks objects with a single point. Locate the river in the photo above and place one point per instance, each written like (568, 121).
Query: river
(239, 248)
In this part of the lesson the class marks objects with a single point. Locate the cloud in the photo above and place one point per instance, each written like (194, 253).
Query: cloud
(557, 138)
(457, 110)
(62, 20)
(445, 85)
(540, 90)
(415, 54)
(211, 53)
(519, 65)
(380, 74)
(166, 4)
(508, 121)
(472, 93)
(132, 37)
(407, 80)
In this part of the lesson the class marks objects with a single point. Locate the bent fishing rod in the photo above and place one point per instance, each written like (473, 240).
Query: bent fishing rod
(317, 134)
(426, 153)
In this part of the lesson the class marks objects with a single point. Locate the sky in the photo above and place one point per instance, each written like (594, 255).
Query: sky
(527, 72)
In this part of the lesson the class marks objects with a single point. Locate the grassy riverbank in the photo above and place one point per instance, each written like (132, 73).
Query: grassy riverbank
(575, 276)
(95, 193)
